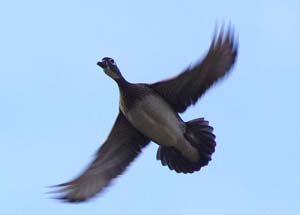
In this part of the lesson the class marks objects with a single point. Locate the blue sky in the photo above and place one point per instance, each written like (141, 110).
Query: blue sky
(57, 106)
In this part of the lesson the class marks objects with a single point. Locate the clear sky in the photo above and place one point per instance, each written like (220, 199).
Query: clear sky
(57, 106)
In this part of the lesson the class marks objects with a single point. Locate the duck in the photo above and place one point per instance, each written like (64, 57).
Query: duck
(150, 113)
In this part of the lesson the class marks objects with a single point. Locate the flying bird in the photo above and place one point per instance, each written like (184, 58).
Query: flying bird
(150, 112)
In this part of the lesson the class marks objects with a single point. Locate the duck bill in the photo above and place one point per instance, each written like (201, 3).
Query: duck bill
(102, 64)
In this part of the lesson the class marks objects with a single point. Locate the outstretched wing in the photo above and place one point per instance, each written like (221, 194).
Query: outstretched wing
(185, 89)
(122, 146)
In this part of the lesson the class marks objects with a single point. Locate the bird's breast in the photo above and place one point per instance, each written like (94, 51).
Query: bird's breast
(155, 119)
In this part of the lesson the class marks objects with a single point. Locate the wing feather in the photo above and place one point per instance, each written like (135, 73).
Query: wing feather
(186, 88)
(121, 147)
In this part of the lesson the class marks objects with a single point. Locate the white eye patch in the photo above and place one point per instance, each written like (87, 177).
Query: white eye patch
(112, 61)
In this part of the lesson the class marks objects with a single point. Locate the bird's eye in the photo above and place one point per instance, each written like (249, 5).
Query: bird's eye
(112, 61)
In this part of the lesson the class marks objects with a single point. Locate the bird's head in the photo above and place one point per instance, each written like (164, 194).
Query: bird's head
(110, 68)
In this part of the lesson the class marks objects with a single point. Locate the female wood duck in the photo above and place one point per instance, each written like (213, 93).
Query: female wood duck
(149, 112)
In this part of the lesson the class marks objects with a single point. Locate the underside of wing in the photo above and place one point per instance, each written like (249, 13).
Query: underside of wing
(185, 89)
(122, 146)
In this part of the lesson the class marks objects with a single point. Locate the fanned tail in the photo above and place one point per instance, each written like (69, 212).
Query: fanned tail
(201, 136)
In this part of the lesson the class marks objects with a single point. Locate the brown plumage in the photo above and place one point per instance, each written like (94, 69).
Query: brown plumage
(185, 89)
(149, 112)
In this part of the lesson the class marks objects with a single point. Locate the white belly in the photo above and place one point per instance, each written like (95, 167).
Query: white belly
(155, 119)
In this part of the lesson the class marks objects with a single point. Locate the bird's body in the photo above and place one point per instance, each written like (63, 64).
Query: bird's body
(149, 112)
(152, 115)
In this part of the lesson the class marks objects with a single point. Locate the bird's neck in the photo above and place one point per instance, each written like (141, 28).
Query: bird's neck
(122, 82)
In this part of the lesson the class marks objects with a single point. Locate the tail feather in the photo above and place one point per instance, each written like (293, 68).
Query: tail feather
(199, 134)
(203, 132)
